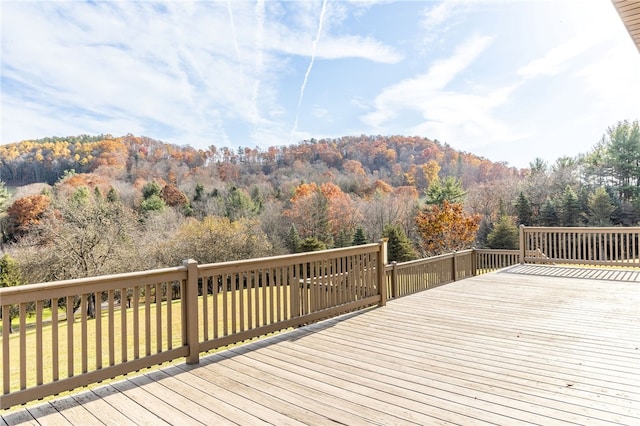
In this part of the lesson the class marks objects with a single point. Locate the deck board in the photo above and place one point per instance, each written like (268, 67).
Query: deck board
(545, 345)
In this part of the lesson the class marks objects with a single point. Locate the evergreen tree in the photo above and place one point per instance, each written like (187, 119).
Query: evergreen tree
(524, 210)
(150, 189)
(399, 248)
(257, 198)
(312, 244)
(504, 235)
(238, 204)
(343, 239)
(485, 228)
(292, 240)
(153, 203)
(600, 208)
(112, 195)
(549, 214)
(449, 189)
(359, 238)
(199, 192)
(570, 208)
(320, 218)
(624, 158)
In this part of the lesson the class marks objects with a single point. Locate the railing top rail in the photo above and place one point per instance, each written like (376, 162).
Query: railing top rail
(293, 258)
(497, 251)
(590, 229)
(104, 282)
(430, 259)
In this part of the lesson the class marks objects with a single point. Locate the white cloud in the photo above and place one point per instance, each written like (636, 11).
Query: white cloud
(417, 93)
(336, 47)
(558, 58)
(434, 16)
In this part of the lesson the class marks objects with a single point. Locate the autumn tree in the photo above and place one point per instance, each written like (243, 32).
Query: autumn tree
(173, 196)
(25, 213)
(309, 212)
(81, 236)
(446, 227)
(85, 235)
(398, 207)
(342, 212)
(214, 239)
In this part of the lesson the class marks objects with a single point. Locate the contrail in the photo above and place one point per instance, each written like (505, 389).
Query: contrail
(306, 75)
(235, 41)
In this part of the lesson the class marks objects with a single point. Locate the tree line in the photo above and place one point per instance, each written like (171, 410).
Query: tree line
(138, 204)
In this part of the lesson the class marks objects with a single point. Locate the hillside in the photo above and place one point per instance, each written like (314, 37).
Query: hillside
(396, 160)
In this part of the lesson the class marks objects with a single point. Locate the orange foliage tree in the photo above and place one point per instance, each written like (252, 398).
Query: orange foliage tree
(26, 212)
(172, 196)
(446, 227)
(319, 210)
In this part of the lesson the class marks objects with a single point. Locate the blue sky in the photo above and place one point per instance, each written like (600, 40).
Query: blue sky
(507, 80)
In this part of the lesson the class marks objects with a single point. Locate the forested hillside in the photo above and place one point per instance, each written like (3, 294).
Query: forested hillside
(398, 160)
(91, 205)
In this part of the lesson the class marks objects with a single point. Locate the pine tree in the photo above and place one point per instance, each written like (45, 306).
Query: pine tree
(343, 239)
(359, 237)
(399, 247)
(292, 241)
(112, 195)
(504, 235)
(549, 214)
(600, 208)
(570, 208)
(524, 210)
(312, 244)
(199, 192)
(450, 189)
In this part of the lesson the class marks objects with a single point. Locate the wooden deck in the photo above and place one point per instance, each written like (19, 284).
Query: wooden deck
(507, 348)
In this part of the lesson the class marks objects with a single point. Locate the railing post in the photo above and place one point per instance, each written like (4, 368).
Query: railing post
(474, 262)
(394, 280)
(454, 266)
(521, 239)
(382, 278)
(190, 315)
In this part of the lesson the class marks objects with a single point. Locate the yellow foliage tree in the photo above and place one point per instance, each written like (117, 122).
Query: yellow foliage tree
(445, 228)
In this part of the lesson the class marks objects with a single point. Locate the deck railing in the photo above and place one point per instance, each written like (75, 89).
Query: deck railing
(422, 274)
(77, 332)
(613, 247)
